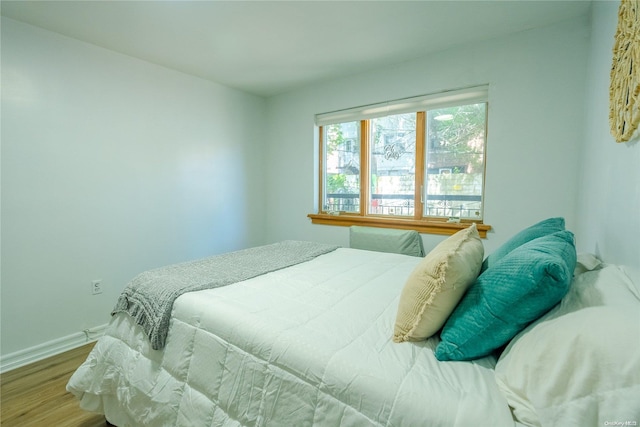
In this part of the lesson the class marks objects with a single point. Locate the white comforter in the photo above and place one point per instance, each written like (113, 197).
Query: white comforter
(307, 345)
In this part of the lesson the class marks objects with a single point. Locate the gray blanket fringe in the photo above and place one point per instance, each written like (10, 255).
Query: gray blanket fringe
(149, 297)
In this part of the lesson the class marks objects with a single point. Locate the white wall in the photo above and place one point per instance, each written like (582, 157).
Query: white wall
(609, 205)
(111, 166)
(536, 112)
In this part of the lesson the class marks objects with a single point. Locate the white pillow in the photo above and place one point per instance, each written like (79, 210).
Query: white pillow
(608, 286)
(581, 369)
(580, 363)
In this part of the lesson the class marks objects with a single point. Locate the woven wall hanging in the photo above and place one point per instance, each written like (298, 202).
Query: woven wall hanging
(624, 91)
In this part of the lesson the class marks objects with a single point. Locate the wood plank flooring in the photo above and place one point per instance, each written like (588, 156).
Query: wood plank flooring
(35, 395)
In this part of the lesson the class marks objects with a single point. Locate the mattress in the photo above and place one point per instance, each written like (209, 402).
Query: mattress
(309, 345)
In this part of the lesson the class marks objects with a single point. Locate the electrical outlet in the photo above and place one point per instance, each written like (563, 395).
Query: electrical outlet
(96, 287)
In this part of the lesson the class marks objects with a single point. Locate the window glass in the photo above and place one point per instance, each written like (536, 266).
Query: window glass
(392, 165)
(341, 184)
(454, 158)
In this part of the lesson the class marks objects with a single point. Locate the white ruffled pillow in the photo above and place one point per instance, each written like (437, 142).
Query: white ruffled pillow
(580, 363)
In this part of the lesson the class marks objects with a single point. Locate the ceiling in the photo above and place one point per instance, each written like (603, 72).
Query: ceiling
(271, 47)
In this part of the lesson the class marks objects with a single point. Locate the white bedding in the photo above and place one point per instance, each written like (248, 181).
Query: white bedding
(307, 345)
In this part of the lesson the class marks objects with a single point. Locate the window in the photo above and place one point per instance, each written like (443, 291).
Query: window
(415, 163)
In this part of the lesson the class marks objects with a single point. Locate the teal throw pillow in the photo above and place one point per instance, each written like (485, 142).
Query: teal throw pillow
(518, 289)
(542, 228)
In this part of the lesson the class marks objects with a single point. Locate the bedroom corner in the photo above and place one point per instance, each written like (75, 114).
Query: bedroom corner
(609, 197)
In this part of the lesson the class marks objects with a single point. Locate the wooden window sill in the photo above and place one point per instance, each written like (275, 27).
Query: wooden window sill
(434, 226)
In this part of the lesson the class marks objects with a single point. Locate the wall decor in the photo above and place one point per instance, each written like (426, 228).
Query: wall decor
(624, 90)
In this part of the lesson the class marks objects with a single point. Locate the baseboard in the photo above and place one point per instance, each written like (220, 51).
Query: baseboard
(50, 348)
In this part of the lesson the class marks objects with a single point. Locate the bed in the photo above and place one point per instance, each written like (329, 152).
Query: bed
(322, 342)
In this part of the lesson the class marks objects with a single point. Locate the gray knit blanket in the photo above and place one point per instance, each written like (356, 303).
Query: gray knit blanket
(149, 297)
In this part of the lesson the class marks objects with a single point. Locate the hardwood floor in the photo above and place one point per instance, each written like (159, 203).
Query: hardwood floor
(35, 395)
